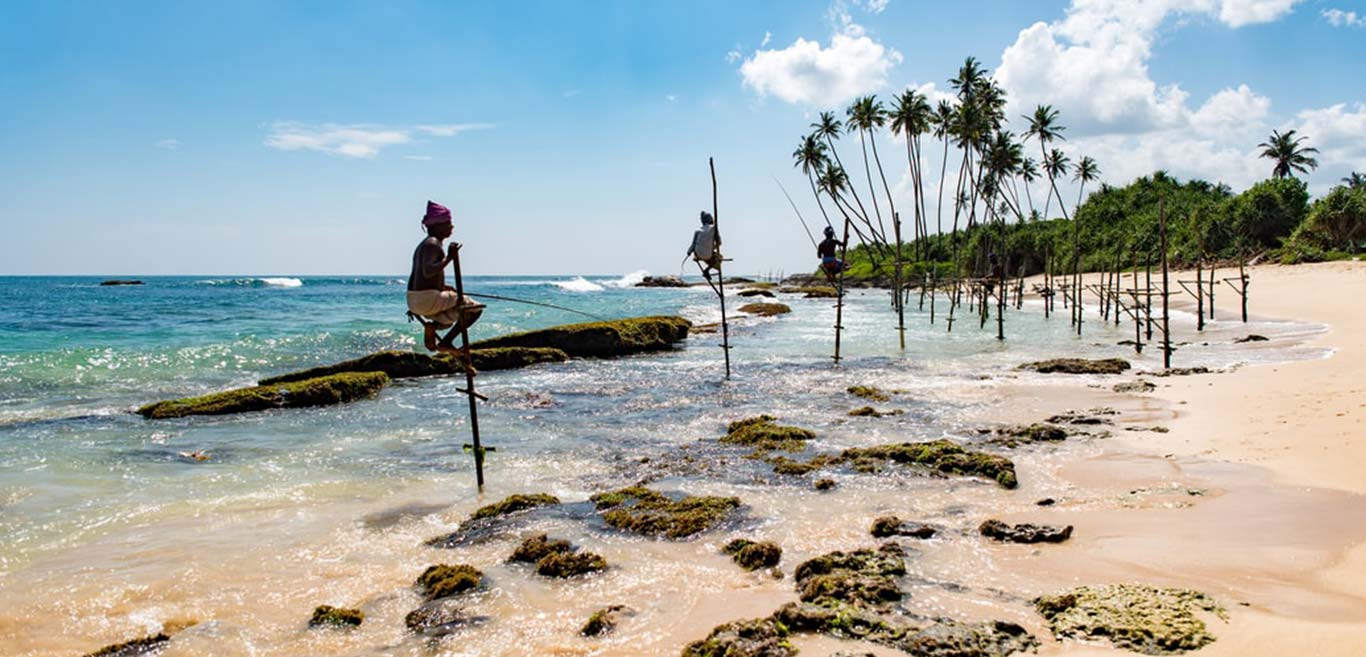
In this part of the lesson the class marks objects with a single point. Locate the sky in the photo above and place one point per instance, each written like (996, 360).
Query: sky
(255, 138)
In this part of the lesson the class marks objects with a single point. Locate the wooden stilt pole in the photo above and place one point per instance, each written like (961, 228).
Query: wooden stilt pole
(1138, 324)
(1148, 286)
(1199, 295)
(839, 290)
(1166, 316)
(476, 447)
(1212, 265)
(720, 276)
(1242, 274)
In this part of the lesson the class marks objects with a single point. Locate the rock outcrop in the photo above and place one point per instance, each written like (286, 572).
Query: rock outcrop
(321, 391)
(651, 513)
(621, 337)
(1144, 619)
(1078, 366)
(1024, 532)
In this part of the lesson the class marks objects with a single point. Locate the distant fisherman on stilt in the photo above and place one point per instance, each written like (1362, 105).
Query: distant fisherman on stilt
(830, 264)
(433, 303)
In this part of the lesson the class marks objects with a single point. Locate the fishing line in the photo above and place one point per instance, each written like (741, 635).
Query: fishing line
(534, 303)
(794, 209)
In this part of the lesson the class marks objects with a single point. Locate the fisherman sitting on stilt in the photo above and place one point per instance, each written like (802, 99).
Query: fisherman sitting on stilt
(430, 301)
(706, 246)
(830, 264)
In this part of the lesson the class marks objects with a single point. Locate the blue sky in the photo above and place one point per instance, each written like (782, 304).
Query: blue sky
(255, 138)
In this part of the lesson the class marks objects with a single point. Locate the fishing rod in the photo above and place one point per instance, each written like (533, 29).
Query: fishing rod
(534, 303)
(794, 209)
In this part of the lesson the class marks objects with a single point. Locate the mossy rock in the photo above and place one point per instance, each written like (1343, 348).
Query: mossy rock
(759, 637)
(862, 578)
(753, 555)
(1078, 366)
(537, 547)
(887, 526)
(755, 292)
(763, 433)
(142, 646)
(941, 455)
(322, 391)
(438, 618)
(620, 337)
(939, 638)
(603, 621)
(823, 484)
(869, 411)
(651, 513)
(766, 309)
(564, 564)
(786, 466)
(1034, 433)
(510, 358)
(1144, 619)
(442, 581)
(329, 616)
(812, 291)
(409, 364)
(1024, 532)
(513, 504)
(868, 392)
(1135, 386)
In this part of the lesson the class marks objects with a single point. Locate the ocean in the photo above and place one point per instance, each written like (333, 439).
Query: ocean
(107, 531)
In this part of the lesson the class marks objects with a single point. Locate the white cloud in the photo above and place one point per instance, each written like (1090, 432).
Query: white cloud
(1237, 114)
(354, 140)
(570, 93)
(451, 129)
(874, 6)
(768, 36)
(168, 144)
(811, 74)
(1340, 18)
(419, 158)
(671, 98)
(734, 56)
(1339, 132)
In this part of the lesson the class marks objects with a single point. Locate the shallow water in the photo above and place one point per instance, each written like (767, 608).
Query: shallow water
(106, 532)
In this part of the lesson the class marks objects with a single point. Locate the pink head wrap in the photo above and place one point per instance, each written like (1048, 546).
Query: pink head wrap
(437, 214)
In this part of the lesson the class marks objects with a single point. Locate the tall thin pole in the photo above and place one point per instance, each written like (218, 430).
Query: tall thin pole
(469, 374)
(1166, 317)
(900, 300)
(720, 276)
(1242, 275)
(839, 289)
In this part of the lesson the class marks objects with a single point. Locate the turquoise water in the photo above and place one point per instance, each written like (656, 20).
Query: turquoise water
(91, 492)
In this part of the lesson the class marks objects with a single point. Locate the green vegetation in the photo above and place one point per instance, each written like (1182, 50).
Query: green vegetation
(1144, 619)
(513, 504)
(651, 513)
(603, 621)
(758, 637)
(868, 392)
(321, 391)
(1334, 230)
(864, 578)
(763, 434)
(329, 616)
(620, 337)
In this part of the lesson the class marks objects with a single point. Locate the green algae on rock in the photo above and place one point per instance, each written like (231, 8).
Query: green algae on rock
(786, 466)
(513, 504)
(758, 637)
(327, 615)
(753, 555)
(762, 433)
(321, 391)
(824, 484)
(863, 578)
(869, 411)
(603, 621)
(568, 563)
(940, 638)
(1078, 366)
(537, 547)
(438, 618)
(763, 309)
(1135, 386)
(941, 455)
(651, 513)
(442, 581)
(1144, 619)
(621, 337)
(868, 392)
(410, 364)
(1030, 433)
(811, 291)
(141, 646)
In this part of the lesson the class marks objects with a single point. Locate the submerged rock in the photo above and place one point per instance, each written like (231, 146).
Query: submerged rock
(120, 281)
(1180, 371)
(1251, 338)
(862, 578)
(824, 484)
(1135, 386)
(753, 555)
(763, 433)
(1078, 366)
(410, 364)
(144, 646)
(513, 504)
(786, 466)
(1024, 532)
(667, 280)
(869, 393)
(759, 637)
(603, 621)
(756, 292)
(869, 411)
(941, 455)
(1144, 619)
(765, 309)
(439, 618)
(651, 513)
(537, 547)
(939, 638)
(322, 391)
(1091, 416)
(811, 291)
(893, 526)
(327, 615)
(442, 581)
(570, 564)
(621, 337)
(1032, 433)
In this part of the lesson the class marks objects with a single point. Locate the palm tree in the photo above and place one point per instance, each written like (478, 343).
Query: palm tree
(865, 115)
(810, 157)
(829, 128)
(1087, 170)
(1355, 180)
(943, 127)
(1289, 154)
(1029, 172)
(1043, 126)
